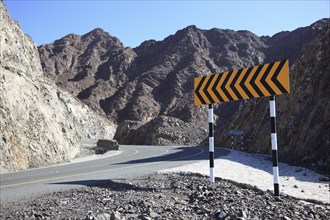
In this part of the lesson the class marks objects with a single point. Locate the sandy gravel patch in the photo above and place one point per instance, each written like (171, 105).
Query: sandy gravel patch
(256, 170)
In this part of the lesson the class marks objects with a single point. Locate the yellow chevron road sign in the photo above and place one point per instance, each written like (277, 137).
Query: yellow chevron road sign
(251, 82)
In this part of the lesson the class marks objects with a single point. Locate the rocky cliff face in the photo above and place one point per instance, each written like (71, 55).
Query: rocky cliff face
(303, 117)
(40, 124)
(156, 79)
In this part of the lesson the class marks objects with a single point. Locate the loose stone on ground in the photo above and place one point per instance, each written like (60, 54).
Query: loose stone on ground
(165, 196)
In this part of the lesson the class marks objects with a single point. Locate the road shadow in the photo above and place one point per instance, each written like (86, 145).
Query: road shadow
(107, 184)
(261, 162)
(184, 154)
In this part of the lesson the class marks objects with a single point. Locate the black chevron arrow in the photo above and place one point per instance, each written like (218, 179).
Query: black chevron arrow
(242, 84)
(253, 81)
(232, 85)
(263, 79)
(224, 88)
(197, 90)
(274, 77)
(206, 87)
(214, 88)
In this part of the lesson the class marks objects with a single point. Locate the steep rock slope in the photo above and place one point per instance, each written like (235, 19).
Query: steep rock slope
(39, 123)
(303, 116)
(291, 45)
(91, 67)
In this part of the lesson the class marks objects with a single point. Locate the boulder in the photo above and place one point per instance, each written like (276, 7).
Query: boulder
(104, 145)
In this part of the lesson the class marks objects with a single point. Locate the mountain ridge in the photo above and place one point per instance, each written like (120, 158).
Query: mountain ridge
(153, 80)
(153, 62)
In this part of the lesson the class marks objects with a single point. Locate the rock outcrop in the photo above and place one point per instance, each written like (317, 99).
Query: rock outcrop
(162, 130)
(40, 124)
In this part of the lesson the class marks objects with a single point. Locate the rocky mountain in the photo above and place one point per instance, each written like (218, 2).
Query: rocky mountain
(148, 81)
(156, 78)
(40, 124)
(144, 88)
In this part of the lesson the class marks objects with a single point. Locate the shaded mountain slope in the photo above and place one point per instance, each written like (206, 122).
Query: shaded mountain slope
(303, 116)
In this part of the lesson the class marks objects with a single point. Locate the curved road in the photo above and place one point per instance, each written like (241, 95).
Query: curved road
(132, 162)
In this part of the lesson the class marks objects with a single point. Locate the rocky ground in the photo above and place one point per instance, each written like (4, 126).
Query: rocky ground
(165, 196)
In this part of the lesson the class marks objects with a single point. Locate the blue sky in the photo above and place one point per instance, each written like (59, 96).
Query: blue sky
(136, 21)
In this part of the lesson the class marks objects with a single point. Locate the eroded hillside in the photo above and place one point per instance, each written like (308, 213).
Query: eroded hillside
(40, 124)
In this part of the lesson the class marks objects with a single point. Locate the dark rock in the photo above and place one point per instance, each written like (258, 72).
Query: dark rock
(115, 215)
(103, 144)
(242, 213)
(324, 178)
(126, 130)
(220, 215)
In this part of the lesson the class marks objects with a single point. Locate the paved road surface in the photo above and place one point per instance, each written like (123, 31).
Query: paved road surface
(132, 162)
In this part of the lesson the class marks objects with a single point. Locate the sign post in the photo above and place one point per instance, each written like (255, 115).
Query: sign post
(211, 143)
(251, 82)
(274, 145)
(236, 133)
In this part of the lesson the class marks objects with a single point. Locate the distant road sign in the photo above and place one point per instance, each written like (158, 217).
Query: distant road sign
(236, 132)
(251, 82)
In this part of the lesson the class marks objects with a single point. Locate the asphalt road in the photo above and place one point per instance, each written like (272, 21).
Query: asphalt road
(132, 162)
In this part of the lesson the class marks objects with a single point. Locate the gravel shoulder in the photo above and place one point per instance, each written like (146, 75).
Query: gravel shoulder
(165, 196)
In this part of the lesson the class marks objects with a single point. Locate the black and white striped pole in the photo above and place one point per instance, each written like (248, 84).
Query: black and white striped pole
(242, 140)
(274, 145)
(211, 143)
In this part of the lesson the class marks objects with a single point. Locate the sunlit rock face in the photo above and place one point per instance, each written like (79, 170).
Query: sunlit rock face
(40, 124)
